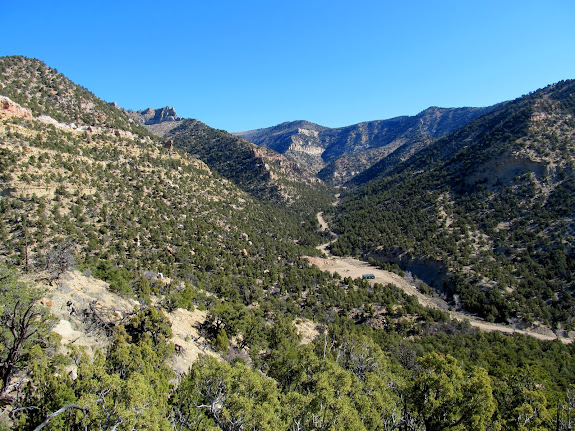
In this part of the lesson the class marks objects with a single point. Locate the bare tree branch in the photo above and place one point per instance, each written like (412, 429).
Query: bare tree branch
(60, 411)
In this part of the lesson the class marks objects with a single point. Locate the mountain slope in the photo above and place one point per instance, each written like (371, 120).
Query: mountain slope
(486, 213)
(258, 170)
(32, 84)
(119, 198)
(339, 154)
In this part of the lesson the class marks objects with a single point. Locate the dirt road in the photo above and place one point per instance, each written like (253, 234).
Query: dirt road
(349, 267)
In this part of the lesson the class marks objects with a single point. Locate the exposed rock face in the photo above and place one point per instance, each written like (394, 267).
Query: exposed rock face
(159, 121)
(9, 109)
(155, 116)
(298, 140)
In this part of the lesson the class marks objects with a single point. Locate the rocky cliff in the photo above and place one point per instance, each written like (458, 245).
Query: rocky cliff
(158, 121)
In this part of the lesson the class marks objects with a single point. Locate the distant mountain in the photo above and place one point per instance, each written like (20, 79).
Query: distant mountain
(338, 154)
(298, 140)
(486, 215)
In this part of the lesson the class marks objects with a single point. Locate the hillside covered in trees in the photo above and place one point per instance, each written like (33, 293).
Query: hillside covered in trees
(88, 192)
(486, 215)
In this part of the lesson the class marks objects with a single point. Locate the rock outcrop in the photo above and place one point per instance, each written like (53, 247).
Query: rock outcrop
(155, 116)
(159, 121)
(9, 109)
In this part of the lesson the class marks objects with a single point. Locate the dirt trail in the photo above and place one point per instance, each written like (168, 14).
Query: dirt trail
(349, 267)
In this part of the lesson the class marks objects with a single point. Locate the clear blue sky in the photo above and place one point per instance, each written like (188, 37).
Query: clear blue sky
(239, 65)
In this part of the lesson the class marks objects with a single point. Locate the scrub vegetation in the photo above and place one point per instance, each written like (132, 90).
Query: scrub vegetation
(91, 191)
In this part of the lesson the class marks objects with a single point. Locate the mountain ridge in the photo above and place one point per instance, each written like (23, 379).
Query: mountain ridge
(337, 154)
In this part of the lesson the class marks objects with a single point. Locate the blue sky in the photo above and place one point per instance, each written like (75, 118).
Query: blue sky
(240, 65)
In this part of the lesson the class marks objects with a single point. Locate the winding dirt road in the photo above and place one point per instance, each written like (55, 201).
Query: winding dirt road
(349, 267)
